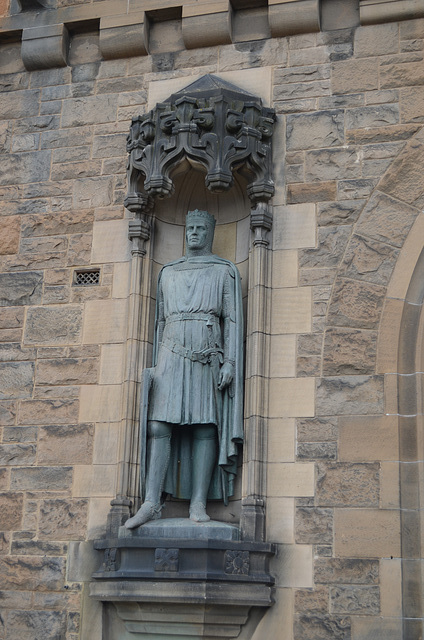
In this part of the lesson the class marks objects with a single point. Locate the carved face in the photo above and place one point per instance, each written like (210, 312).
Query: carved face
(198, 234)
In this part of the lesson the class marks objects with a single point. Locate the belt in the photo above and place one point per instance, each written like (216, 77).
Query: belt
(204, 356)
(202, 317)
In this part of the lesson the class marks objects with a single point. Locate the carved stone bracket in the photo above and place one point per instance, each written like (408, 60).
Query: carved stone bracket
(214, 125)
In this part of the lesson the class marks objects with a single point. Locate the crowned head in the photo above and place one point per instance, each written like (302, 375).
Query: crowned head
(200, 228)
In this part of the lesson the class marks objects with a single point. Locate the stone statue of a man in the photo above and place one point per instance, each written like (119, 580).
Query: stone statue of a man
(196, 398)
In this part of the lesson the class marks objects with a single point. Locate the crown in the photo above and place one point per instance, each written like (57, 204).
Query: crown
(205, 215)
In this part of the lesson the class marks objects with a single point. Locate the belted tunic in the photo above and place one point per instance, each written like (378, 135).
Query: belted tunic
(198, 328)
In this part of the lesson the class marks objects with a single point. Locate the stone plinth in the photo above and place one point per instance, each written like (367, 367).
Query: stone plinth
(200, 573)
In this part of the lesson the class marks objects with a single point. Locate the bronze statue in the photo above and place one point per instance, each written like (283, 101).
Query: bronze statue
(195, 403)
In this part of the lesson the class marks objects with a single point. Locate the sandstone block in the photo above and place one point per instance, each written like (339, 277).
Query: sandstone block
(390, 133)
(89, 110)
(350, 395)
(290, 479)
(355, 189)
(11, 505)
(280, 519)
(349, 351)
(311, 626)
(312, 130)
(375, 438)
(291, 310)
(16, 380)
(54, 325)
(330, 164)
(355, 600)
(19, 104)
(294, 227)
(314, 525)
(104, 321)
(316, 451)
(313, 601)
(20, 168)
(41, 478)
(338, 213)
(9, 239)
(372, 533)
(20, 434)
(311, 192)
(302, 90)
(350, 76)
(100, 403)
(20, 288)
(347, 484)
(292, 567)
(346, 571)
(317, 429)
(376, 40)
(17, 454)
(110, 241)
(378, 116)
(412, 104)
(67, 371)
(356, 304)
(48, 411)
(402, 74)
(92, 192)
(404, 178)
(63, 519)
(386, 219)
(7, 413)
(59, 224)
(332, 243)
(70, 444)
(370, 260)
(11, 317)
(32, 573)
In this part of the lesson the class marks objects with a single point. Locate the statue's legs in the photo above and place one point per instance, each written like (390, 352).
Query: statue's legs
(159, 451)
(204, 459)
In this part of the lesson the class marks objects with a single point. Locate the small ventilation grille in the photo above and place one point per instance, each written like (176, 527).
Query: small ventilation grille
(86, 278)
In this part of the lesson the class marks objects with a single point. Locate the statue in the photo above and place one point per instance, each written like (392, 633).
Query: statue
(195, 402)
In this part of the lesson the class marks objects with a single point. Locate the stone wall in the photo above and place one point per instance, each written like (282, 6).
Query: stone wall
(343, 425)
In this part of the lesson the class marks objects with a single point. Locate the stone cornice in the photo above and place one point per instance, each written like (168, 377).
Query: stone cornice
(124, 27)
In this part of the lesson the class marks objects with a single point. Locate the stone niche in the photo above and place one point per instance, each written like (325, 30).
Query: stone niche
(207, 146)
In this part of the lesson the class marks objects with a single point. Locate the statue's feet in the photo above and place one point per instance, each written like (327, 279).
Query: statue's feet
(148, 511)
(198, 512)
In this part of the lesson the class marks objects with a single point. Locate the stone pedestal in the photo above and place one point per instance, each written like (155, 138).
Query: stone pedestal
(177, 578)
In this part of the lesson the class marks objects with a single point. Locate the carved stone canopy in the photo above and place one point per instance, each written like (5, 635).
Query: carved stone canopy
(215, 126)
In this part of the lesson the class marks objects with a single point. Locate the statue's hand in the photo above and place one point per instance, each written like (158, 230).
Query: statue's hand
(226, 374)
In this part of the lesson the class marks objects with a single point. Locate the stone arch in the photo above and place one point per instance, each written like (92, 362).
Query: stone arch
(377, 302)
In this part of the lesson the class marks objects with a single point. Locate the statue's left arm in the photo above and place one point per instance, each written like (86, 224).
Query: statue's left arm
(226, 373)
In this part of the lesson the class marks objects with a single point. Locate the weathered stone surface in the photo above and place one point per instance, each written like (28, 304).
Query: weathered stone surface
(56, 295)
(32, 573)
(41, 478)
(38, 548)
(330, 164)
(59, 224)
(17, 454)
(355, 600)
(317, 429)
(28, 261)
(338, 213)
(378, 116)
(11, 317)
(70, 444)
(54, 325)
(341, 484)
(314, 626)
(349, 395)
(34, 625)
(78, 112)
(20, 288)
(20, 434)
(79, 251)
(350, 76)
(50, 244)
(390, 133)
(9, 238)
(11, 510)
(412, 104)
(349, 351)
(92, 192)
(19, 104)
(67, 371)
(63, 519)
(311, 192)
(13, 352)
(15, 599)
(19, 168)
(402, 74)
(312, 130)
(355, 189)
(369, 260)
(7, 413)
(379, 40)
(312, 600)
(309, 344)
(356, 304)
(346, 571)
(314, 525)
(386, 219)
(16, 380)
(316, 451)
(332, 243)
(48, 411)
(404, 179)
